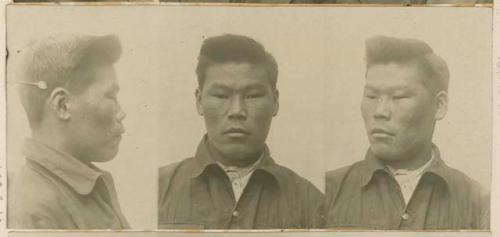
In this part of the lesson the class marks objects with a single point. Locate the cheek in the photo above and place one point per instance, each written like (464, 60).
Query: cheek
(102, 115)
(261, 112)
(213, 114)
(365, 110)
(413, 117)
(367, 113)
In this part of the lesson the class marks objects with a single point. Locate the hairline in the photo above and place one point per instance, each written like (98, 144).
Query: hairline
(261, 65)
(427, 79)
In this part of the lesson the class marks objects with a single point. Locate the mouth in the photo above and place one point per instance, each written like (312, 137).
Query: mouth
(117, 137)
(236, 132)
(380, 133)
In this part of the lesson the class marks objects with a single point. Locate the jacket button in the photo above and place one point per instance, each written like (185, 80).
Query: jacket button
(406, 216)
(236, 213)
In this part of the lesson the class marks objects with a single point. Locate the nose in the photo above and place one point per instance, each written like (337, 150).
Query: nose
(237, 109)
(382, 109)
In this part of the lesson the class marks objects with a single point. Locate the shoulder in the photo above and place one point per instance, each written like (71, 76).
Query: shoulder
(337, 174)
(335, 180)
(167, 173)
(36, 195)
(336, 177)
(461, 184)
(35, 181)
(292, 181)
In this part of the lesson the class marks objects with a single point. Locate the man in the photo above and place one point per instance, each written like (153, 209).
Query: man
(68, 88)
(403, 183)
(232, 182)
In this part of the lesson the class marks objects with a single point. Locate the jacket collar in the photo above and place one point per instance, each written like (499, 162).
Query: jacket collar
(204, 159)
(81, 177)
(371, 165)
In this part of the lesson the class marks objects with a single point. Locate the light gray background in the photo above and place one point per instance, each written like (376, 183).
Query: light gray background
(320, 53)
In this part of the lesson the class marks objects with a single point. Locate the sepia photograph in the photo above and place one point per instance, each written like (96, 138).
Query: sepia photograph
(327, 120)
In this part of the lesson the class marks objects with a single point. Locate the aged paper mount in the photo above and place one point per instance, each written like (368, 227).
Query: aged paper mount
(495, 195)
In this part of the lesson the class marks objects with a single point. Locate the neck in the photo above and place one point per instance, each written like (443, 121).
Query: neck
(54, 140)
(412, 161)
(233, 161)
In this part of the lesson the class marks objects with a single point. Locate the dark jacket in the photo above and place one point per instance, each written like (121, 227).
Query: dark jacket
(196, 193)
(57, 191)
(366, 196)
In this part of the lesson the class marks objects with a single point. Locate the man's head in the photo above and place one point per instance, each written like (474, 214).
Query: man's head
(78, 103)
(236, 95)
(404, 95)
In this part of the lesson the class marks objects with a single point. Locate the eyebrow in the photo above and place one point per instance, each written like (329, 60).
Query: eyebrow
(397, 87)
(225, 87)
(219, 87)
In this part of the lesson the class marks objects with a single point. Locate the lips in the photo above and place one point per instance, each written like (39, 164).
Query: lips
(379, 132)
(236, 132)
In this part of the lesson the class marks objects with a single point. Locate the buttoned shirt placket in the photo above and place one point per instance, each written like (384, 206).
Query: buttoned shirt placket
(239, 179)
(418, 191)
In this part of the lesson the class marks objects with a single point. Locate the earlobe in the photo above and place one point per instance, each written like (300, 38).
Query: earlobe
(441, 105)
(199, 106)
(59, 99)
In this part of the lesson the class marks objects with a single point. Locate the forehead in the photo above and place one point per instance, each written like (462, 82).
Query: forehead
(236, 75)
(394, 75)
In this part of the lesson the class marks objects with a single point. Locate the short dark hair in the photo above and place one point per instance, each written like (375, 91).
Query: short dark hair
(384, 50)
(230, 48)
(59, 62)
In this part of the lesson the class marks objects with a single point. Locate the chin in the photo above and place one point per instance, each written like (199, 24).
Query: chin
(106, 156)
(238, 152)
(384, 153)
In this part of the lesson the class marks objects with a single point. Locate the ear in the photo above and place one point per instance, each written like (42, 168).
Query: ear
(276, 95)
(58, 102)
(199, 106)
(441, 101)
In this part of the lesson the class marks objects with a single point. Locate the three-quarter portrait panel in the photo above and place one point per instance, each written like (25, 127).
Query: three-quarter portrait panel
(415, 149)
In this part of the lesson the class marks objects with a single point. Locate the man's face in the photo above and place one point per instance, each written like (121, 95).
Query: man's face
(398, 111)
(95, 124)
(238, 103)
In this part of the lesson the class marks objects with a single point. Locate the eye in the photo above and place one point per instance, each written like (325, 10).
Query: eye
(370, 96)
(254, 95)
(220, 96)
(400, 97)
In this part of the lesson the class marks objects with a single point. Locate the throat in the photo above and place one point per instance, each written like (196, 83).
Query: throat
(241, 162)
(411, 162)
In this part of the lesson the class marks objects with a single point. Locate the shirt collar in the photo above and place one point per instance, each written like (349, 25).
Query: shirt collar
(412, 173)
(371, 165)
(79, 176)
(241, 171)
(204, 159)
